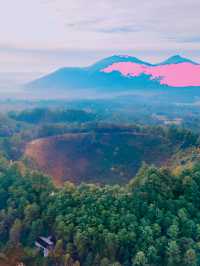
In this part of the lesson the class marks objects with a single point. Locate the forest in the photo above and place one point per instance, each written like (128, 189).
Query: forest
(152, 219)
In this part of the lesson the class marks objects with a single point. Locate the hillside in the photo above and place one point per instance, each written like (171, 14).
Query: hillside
(153, 220)
(105, 156)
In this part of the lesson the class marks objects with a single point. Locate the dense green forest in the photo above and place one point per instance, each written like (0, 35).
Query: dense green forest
(44, 115)
(153, 220)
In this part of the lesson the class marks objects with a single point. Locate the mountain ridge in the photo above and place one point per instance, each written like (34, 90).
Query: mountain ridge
(123, 72)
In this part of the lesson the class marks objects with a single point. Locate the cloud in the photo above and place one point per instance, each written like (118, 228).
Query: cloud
(122, 29)
(76, 30)
(190, 39)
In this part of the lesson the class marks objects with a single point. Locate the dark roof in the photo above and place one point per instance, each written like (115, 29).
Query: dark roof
(45, 242)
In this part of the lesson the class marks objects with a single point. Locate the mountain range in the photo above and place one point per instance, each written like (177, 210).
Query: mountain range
(121, 72)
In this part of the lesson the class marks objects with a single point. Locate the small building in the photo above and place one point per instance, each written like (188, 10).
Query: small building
(46, 244)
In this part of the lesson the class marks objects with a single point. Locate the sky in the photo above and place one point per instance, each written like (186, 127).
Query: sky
(39, 36)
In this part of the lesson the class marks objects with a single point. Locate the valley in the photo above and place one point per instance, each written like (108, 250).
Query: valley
(105, 158)
(112, 175)
(105, 172)
(99, 133)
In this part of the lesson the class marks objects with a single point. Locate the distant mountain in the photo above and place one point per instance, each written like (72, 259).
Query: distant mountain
(177, 59)
(121, 72)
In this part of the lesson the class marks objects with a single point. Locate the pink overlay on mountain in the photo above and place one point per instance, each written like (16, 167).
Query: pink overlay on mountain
(175, 75)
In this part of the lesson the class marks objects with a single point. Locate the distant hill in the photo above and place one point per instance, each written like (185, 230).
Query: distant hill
(121, 73)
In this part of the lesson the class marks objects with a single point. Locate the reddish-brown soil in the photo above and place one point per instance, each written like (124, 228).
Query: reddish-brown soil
(97, 157)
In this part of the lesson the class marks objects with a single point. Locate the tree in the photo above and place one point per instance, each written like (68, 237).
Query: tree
(173, 252)
(173, 231)
(105, 262)
(15, 232)
(190, 258)
(58, 252)
(67, 260)
(152, 255)
(31, 212)
(139, 259)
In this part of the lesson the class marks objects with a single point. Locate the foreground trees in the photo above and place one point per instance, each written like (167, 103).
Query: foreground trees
(155, 220)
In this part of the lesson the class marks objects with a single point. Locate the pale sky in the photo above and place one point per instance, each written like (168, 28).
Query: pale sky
(42, 35)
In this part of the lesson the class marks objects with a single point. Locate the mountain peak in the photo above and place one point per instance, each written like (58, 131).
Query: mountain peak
(177, 59)
(116, 59)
